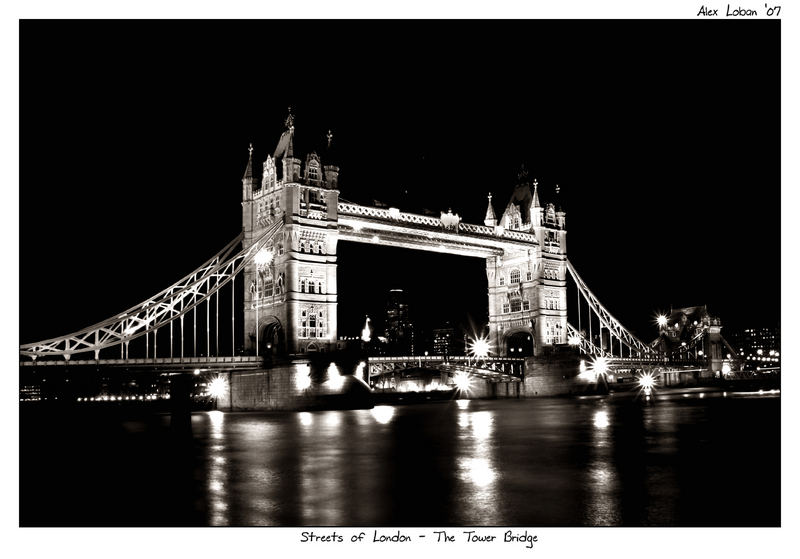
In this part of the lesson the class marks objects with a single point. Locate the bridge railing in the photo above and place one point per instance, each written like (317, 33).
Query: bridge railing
(392, 214)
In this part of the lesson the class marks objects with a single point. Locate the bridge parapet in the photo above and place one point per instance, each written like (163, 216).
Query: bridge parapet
(395, 215)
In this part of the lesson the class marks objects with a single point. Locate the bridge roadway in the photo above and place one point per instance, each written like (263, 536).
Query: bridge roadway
(498, 369)
(247, 362)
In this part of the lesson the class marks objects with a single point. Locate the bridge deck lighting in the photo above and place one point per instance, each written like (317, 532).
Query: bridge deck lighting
(462, 380)
(264, 257)
(600, 366)
(218, 387)
(335, 378)
(480, 348)
(647, 381)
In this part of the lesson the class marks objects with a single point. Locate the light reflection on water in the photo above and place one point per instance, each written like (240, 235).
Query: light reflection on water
(601, 476)
(476, 468)
(468, 463)
(217, 472)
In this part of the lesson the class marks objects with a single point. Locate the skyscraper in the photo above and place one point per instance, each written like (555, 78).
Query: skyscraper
(399, 329)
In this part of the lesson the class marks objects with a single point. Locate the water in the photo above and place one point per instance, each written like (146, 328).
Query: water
(685, 460)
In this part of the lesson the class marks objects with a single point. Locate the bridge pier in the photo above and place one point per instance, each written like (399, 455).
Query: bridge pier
(313, 382)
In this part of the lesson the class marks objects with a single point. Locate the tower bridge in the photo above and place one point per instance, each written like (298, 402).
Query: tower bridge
(279, 281)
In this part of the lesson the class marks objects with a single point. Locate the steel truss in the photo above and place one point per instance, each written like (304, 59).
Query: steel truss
(584, 344)
(606, 319)
(168, 305)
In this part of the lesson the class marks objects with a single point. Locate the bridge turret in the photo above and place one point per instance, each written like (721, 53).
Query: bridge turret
(331, 170)
(285, 150)
(536, 207)
(248, 180)
(490, 220)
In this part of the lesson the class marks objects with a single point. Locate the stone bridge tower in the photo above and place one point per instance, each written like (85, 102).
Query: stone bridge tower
(290, 290)
(528, 288)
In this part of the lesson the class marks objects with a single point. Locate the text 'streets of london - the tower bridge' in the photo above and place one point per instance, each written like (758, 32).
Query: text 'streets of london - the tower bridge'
(282, 268)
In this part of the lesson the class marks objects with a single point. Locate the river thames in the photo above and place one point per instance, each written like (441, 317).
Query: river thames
(688, 458)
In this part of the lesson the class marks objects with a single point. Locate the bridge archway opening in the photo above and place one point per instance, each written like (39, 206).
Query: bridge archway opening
(272, 338)
(519, 344)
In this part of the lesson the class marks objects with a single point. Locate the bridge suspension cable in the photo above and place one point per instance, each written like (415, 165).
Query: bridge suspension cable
(165, 307)
(606, 319)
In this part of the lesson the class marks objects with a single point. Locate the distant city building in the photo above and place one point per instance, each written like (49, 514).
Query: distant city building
(447, 341)
(760, 347)
(399, 329)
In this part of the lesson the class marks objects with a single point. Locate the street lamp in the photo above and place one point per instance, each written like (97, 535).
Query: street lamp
(480, 348)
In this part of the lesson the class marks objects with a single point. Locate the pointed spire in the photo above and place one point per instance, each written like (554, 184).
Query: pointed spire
(286, 142)
(248, 172)
(330, 137)
(491, 219)
(535, 203)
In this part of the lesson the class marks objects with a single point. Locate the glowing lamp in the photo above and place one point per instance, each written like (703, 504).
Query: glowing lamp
(462, 380)
(600, 366)
(218, 387)
(647, 381)
(263, 257)
(335, 378)
(661, 320)
(480, 347)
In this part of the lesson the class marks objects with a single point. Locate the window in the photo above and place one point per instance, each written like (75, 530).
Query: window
(312, 325)
(516, 305)
(313, 171)
(311, 287)
(319, 247)
(526, 305)
(514, 276)
(319, 287)
(502, 279)
(529, 276)
(280, 248)
(302, 245)
(505, 308)
(302, 286)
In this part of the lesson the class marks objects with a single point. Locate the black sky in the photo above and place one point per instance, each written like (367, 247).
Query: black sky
(664, 137)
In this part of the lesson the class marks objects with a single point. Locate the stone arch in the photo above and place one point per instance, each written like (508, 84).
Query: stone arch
(518, 342)
(272, 337)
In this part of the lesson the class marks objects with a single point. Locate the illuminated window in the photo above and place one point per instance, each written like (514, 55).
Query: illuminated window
(514, 276)
(312, 325)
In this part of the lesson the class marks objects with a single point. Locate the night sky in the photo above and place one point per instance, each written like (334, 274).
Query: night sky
(664, 138)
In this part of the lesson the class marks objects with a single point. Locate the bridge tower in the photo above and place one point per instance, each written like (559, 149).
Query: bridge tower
(528, 288)
(290, 287)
